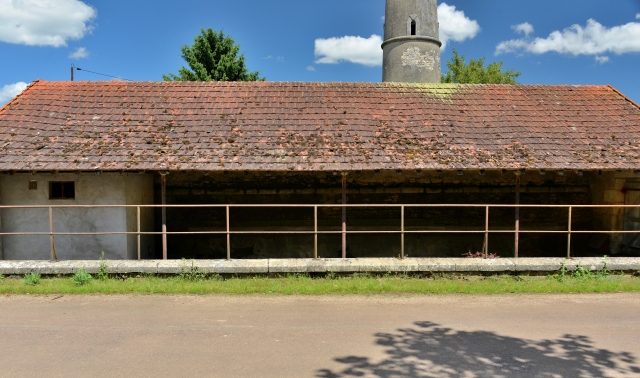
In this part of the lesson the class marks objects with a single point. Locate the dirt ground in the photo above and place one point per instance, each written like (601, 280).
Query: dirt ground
(331, 336)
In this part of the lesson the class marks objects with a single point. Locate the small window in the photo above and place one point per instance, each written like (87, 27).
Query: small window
(62, 190)
(33, 185)
(413, 27)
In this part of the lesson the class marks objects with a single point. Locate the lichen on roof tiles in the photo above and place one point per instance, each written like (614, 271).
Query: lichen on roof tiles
(317, 126)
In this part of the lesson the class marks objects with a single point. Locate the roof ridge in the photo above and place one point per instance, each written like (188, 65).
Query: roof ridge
(349, 83)
(8, 104)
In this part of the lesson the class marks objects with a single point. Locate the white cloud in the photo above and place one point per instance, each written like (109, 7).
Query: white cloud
(524, 28)
(44, 22)
(455, 25)
(365, 51)
(10, 91)
(277, 58)
(638, 16)
(311, 68)
(80, 53)
(593, 39)
(601, 59)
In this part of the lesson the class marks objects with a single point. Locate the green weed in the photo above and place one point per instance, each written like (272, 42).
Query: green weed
(31, 278)
(190, 272)
(82, 277)
(102, 269)
(581, 273)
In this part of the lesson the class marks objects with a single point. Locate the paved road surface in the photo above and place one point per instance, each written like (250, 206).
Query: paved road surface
(266, 336)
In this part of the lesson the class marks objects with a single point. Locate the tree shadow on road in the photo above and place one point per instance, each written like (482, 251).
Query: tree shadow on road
(429, 350)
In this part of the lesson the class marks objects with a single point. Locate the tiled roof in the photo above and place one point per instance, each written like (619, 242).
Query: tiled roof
(316, 126)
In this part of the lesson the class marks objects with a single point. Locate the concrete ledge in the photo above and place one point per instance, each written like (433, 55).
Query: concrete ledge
(372, 265)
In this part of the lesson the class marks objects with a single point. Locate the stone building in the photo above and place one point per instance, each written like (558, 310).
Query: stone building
(391, 143)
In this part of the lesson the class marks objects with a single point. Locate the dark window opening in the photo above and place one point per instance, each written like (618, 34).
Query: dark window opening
(33, 185)
(62, 190)
(413, 27)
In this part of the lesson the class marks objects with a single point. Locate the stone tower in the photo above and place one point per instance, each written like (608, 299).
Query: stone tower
(411, 44)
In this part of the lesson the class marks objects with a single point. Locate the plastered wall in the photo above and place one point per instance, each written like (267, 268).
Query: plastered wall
(90, 189)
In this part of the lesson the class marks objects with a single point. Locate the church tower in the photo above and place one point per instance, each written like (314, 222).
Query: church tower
(411, 46)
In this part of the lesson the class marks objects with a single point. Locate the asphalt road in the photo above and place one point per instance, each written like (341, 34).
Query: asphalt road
(267, 336)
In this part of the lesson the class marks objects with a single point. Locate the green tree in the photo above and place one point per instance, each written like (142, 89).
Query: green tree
(213, 57)
(475, 72)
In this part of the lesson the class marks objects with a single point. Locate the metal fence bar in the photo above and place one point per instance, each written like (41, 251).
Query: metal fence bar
(454, 205)
(402, 232)
(569, 234)
(315, 232)
(320, 232)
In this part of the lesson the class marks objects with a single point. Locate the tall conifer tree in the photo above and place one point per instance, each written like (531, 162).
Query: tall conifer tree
(213, 56)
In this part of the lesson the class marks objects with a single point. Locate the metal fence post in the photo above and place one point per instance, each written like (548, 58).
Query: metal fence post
(138, 216)
(228, 236)
(315, 232)
(517, 238)
(402, 232)
(52, 242)
(163, 184)
(486, 233)
(344, 215)
(569, 234)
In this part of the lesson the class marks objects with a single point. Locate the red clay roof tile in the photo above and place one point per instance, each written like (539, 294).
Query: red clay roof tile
(316, 126)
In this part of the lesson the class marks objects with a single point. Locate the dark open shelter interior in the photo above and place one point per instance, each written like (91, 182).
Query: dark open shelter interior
(473, 187)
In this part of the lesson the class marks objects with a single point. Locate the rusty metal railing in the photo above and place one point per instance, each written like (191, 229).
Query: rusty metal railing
(344, 232)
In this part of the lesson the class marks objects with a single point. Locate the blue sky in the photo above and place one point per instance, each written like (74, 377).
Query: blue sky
(550, 41)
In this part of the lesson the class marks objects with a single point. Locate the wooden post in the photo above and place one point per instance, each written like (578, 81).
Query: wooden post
(1, 247)
(315, 232)
(486, 233)
(228, 234)
(569, 234)
(163, 183)
(402, 232)
(517, 239)
(52, 241)
(138, 216)
(344, 215)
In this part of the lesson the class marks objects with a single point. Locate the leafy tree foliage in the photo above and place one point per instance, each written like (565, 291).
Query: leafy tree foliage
(213, 57)
(475, 72)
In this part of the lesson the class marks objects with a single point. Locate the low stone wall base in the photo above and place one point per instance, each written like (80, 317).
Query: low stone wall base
(338, 266)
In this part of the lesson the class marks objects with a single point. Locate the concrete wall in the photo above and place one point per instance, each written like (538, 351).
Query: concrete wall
(139, 191)
(90, 189)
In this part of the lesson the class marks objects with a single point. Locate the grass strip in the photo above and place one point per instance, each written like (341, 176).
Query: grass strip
(304, 285)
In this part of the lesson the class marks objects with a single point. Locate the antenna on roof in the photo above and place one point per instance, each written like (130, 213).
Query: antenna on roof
(96, 73)
(72, 67)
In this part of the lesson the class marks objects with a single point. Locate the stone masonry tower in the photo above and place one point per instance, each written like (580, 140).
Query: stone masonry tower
(411, 42)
